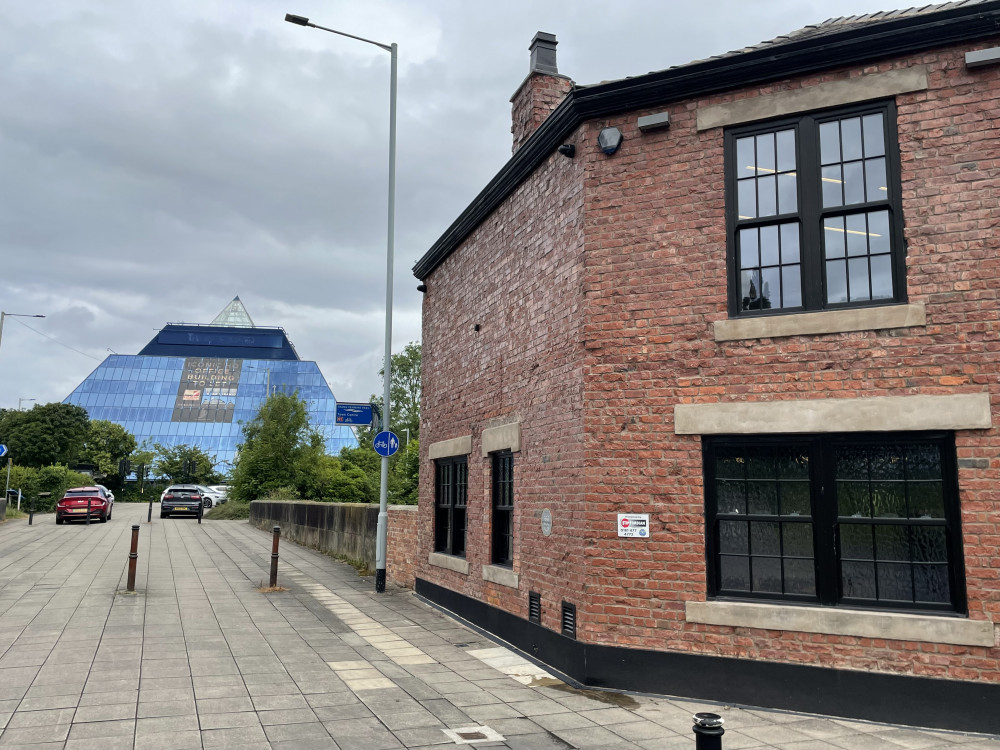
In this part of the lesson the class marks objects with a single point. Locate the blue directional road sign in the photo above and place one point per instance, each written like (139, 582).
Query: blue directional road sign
(354, 413)
(3, 451)
(386, 443)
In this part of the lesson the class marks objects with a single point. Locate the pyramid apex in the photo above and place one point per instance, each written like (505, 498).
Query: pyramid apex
(234, 315)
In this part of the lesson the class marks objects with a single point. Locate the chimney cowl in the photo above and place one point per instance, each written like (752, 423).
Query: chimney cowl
(543, 54)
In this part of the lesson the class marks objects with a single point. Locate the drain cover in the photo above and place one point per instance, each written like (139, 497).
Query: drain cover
(468, 735)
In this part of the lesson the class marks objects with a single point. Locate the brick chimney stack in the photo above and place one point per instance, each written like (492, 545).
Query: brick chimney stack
(541, 91)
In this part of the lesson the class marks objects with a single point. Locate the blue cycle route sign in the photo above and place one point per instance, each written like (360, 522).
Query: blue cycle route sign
(386, 443)
(3, 451)
(354, 413)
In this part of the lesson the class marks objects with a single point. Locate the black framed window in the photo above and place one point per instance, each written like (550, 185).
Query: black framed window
(814, 214)
(842, 519)
(503, 508)
(450, 493)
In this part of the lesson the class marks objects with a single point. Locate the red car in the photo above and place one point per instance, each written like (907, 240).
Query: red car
(74, 505)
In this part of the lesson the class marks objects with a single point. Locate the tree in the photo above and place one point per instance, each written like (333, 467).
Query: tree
(45, 435)
(334, 480)
(406, 472)
(404, 392)
(184, 463)
(106, 444)
(279, 449)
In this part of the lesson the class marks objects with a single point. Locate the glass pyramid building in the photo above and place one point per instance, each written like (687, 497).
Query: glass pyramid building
(194, 384)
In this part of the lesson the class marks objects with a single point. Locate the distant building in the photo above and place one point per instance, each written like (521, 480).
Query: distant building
(194, 385)
(710, 376)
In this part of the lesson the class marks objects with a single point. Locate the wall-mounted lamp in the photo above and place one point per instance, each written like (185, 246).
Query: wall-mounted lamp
(422, 289)
(568, 150)
(610, 140)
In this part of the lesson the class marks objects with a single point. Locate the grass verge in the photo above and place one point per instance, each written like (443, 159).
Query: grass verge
(231, 511)
(15, 513)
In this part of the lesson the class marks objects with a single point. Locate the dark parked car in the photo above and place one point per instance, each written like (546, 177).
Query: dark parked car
(76, 503)
(181, 498)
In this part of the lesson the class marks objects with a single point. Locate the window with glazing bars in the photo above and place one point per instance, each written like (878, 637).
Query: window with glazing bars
(503, 508)
(451, 492)
(854, 520)
(813, 212)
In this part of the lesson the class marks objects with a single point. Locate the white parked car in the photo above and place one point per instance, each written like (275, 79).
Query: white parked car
(220, 491)
(212, 496)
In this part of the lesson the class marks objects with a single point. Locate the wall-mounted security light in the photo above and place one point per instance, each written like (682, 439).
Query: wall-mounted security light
(568, 150)
(422, 288)
(610, 140)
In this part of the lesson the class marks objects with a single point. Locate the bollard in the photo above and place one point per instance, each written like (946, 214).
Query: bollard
(274, 556)
(133, 555)
(201, 509)
(31, 514)
(708, 731)
(149, 516)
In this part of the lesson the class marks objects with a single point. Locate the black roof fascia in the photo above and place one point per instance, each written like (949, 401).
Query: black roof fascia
(855, 44)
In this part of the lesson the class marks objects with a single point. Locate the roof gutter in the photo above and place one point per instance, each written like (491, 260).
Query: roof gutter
(854, 45)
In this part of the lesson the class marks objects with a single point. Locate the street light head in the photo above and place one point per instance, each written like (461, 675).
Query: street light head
(300, 20)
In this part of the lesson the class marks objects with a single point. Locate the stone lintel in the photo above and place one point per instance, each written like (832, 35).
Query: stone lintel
(962, 411)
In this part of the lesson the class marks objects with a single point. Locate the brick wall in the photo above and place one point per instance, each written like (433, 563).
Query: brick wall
(523, 364)
(401, 551)
(655, 281)
(596, 307)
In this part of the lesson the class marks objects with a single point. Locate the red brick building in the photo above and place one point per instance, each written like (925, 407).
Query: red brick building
(710, 375)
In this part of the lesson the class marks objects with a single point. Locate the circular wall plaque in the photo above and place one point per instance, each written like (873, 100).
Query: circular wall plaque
(546, 522)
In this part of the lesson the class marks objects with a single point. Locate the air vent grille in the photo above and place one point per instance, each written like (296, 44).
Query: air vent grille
(534, 607)
(569, 619)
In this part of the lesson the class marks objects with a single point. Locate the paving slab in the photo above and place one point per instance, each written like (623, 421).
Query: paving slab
(199, 658)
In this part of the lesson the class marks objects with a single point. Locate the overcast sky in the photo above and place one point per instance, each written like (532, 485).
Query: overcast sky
(157, 159)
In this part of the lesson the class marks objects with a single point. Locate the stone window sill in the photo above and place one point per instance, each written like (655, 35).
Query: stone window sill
(449, 562)
(826, 321)
(829, 621)
(500, 575)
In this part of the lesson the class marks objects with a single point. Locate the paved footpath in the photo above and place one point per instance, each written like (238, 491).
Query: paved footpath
(199, 658)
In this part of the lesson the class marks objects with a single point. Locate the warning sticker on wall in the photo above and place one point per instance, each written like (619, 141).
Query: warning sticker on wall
(633, 525)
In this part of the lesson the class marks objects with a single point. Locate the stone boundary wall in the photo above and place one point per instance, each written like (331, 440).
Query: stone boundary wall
(346, 529)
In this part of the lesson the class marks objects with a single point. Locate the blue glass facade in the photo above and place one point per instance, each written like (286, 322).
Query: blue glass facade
(200, 400)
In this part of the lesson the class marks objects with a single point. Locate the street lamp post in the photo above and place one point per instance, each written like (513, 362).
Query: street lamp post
(14, 315)
(383, 495)
(21, 400)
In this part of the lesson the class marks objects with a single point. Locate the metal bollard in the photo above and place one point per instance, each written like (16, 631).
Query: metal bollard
(274, 556)
(133, 555)
(708, 731)
(201, 509)
(88, 511)
(149, 516)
